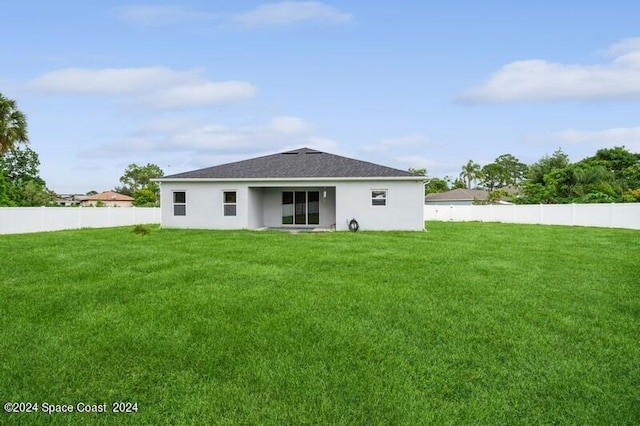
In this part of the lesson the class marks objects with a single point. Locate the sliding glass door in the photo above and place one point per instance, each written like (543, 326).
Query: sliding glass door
(300, 207)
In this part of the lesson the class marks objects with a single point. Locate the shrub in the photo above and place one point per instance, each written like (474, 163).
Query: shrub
(141, 230)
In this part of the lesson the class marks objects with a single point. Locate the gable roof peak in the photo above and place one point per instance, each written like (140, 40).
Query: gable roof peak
(304, 150)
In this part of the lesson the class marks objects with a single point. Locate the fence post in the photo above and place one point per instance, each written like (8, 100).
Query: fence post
(573, 214)
(79, 217)
(42, 214)
(612, 214)
(541, 215)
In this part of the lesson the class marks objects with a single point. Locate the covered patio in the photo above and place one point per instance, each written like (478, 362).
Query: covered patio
(292, 208)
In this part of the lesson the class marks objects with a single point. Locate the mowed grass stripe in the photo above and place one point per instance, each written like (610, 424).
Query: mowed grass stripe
(466, 323)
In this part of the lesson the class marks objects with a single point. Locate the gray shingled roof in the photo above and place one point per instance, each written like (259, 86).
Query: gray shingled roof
(300, 163)
(458, 194)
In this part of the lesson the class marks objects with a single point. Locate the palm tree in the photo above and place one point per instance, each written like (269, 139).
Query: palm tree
(13, 125)
(470, 172)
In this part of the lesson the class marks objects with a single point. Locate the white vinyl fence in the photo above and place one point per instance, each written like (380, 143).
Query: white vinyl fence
(17, 220)
(625, 215)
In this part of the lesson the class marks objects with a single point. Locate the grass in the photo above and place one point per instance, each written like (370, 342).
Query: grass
(468, 323)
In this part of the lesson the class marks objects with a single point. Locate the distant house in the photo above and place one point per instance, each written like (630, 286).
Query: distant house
(107, 199)
(303, 188)
(457, 197)
(465, 197)
(69, 199)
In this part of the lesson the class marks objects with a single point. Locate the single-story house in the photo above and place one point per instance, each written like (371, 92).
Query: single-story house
(107, 199)
(69, 199)
(299, 189)
(457, 197)
(466, 197)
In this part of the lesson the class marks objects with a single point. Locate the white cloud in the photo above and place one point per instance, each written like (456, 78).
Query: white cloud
(291, 12)
(323, 144)
(214, 137)
(266, 15)
(542, 81)
(416, 161)
(400, 152)
(411, 141)
(199, 95)
(153, 87)
(107, 81)
(157, 15)
(627, 136)
(198, 138)
(289, 125)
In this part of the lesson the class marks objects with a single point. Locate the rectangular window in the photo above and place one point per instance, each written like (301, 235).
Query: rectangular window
(379, 197)
(301, 208)
(314, 208)
(179, 203)
(287, 208)
(230, 203)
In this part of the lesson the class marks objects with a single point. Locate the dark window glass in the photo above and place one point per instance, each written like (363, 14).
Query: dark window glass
(230, 210)
(378, 198)
(301, 208)
(230, 197)
(314, 208)
(287, 208)
(179, 210)
(179, 197)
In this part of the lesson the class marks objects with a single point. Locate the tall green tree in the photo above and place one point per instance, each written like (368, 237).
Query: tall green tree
(547, 180)
(514, 170)
(436, 185)
(137, 183)
(616, 159)
(493, 176)
(470, 173)
(23, 184)
(538, 170)
(4, 192)
(13, 125)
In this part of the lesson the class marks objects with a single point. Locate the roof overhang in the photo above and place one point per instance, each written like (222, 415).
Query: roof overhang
(290, 180)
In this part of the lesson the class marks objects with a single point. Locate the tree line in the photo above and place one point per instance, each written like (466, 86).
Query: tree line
(20, 181)
(611, 175)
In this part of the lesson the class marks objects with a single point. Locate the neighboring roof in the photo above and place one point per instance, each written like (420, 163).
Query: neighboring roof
(108, 196)
(299, 163)
(459, 194)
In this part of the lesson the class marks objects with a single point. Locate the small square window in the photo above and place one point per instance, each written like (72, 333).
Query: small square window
(230, 197)
(180, 197)
(179, 210)
(379, 197)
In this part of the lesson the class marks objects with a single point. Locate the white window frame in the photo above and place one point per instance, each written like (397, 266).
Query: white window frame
(176, 204)
(374, 198)
(225, 203)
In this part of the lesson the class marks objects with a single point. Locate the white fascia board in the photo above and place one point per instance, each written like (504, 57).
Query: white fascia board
(292, 180)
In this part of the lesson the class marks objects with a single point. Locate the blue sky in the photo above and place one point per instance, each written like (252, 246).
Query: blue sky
(193, 84)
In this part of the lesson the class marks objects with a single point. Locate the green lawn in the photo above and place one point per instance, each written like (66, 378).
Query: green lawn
(468, 323)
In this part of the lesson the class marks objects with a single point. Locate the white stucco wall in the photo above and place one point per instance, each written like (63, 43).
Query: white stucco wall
(255, 197)
(204, 205)
(404, 210)
(259, 204)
